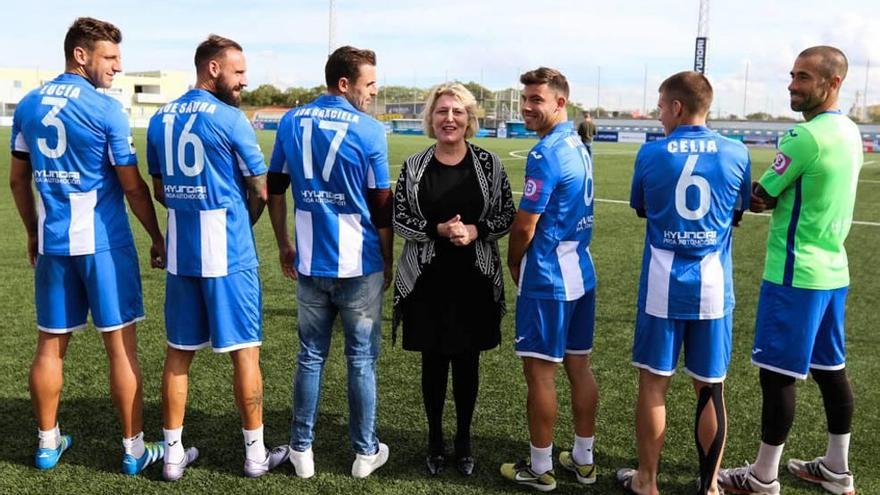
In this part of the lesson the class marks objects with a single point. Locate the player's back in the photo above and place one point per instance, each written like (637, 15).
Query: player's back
(74, 136)
(559, 186)
(203, 149)
(689, 185)
(333, 153)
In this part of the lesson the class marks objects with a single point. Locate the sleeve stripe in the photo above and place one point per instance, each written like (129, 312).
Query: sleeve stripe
(371, 178)
(242, 165)
(21, 144)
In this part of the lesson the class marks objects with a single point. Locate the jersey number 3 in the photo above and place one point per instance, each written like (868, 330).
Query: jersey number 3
(51, 120)
(688, 179)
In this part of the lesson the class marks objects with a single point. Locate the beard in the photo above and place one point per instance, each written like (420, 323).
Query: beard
(227, 92)
(808, 101)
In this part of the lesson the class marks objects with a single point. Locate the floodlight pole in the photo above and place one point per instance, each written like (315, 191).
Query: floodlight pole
(701, 49)
(331, 38)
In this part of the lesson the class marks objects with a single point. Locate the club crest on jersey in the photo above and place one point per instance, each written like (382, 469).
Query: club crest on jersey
(532, 189)
(781, 163)
(536, 155)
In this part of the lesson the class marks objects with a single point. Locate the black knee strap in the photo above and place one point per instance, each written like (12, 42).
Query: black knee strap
(708, 460)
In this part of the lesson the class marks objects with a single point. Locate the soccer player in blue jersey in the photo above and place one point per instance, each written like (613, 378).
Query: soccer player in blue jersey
(335, 158)
(209, 172)
(75, 143)
(550, 262)
(692, 187)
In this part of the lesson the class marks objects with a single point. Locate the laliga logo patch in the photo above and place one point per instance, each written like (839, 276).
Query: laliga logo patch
(781, 163)
(532, 189)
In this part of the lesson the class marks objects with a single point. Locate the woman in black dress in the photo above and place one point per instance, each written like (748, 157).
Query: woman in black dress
(451, 205)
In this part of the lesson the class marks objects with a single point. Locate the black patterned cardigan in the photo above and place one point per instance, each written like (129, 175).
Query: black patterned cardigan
(410, 224)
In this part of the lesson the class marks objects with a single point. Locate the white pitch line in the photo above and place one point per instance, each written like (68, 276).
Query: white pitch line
(869, 181)
(621, 202)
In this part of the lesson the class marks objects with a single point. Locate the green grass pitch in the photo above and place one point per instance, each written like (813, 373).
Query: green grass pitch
(92, 464)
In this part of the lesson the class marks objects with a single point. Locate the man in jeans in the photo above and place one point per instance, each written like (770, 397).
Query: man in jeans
(335, 157)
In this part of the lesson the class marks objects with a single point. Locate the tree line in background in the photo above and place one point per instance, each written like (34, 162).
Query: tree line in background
(268, 95)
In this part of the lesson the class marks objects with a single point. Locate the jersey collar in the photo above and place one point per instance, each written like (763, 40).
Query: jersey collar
(70, 77)
(690, 129)
(561, 127)
(328, 100)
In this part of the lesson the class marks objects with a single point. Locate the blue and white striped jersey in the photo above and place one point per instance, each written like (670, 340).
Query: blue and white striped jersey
(689, 185)
(559, 186)
(333, 154)
(75, 136)
(203, 148)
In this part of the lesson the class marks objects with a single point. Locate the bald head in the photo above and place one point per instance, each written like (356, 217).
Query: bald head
(831, 61)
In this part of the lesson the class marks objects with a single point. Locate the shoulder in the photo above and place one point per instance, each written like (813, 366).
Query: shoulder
(416, 159)
(732, 145)
(799, 139)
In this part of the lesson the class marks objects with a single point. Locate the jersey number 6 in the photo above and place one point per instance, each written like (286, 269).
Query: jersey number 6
(686, 180)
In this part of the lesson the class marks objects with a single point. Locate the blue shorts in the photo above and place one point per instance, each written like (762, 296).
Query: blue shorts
(798, 329)
(223, 312)
(108, 283)
(549, 329)
(658, 341)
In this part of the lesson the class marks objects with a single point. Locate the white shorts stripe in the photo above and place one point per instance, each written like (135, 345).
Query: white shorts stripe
(781, 371)
(659, 270)
(522, 270)
(195, 347)
(82, 222)
(212, 224)
(171, 237)
(538, 356)
(711, 287)
(41, 220)
(236, 347)
(304, 242)
(704, 378)
(351, 245)
(570, 268)
(121, 325)
(61, 331)
(653, 370)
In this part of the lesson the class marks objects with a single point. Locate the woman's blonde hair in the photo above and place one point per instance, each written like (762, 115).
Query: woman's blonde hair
(464, 96)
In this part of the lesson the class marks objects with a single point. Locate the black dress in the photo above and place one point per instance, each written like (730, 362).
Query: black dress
(451, 309)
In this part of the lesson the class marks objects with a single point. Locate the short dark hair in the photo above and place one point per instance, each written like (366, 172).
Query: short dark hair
(212, 48)
(346, 61)
(691, 88)
(545, 75)
(833, 63)
(85, 32)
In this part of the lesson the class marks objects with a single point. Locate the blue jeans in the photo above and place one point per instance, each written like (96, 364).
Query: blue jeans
(358, 301)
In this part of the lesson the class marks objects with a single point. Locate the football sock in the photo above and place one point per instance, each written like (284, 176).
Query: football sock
(709, 457)
(173, 446)
(49, 439)
(777, 408)
(582, 453)
(837, 453)
(134, 446)
(541, 458)
(254, 449)
(766, 466)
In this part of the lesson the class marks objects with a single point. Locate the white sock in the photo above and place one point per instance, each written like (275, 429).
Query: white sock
(254, 449)
(134, 445)
(837, 453)
(542, 459)
(766, 466)
(49, 439)
(582, 453)
(173, 445)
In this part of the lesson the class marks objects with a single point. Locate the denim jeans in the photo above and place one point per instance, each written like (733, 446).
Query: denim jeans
(358, 301)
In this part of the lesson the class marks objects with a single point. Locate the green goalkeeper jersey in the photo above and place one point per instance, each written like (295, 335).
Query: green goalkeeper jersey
(814, 178)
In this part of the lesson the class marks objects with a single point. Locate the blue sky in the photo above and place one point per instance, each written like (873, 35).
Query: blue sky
(424, 42)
